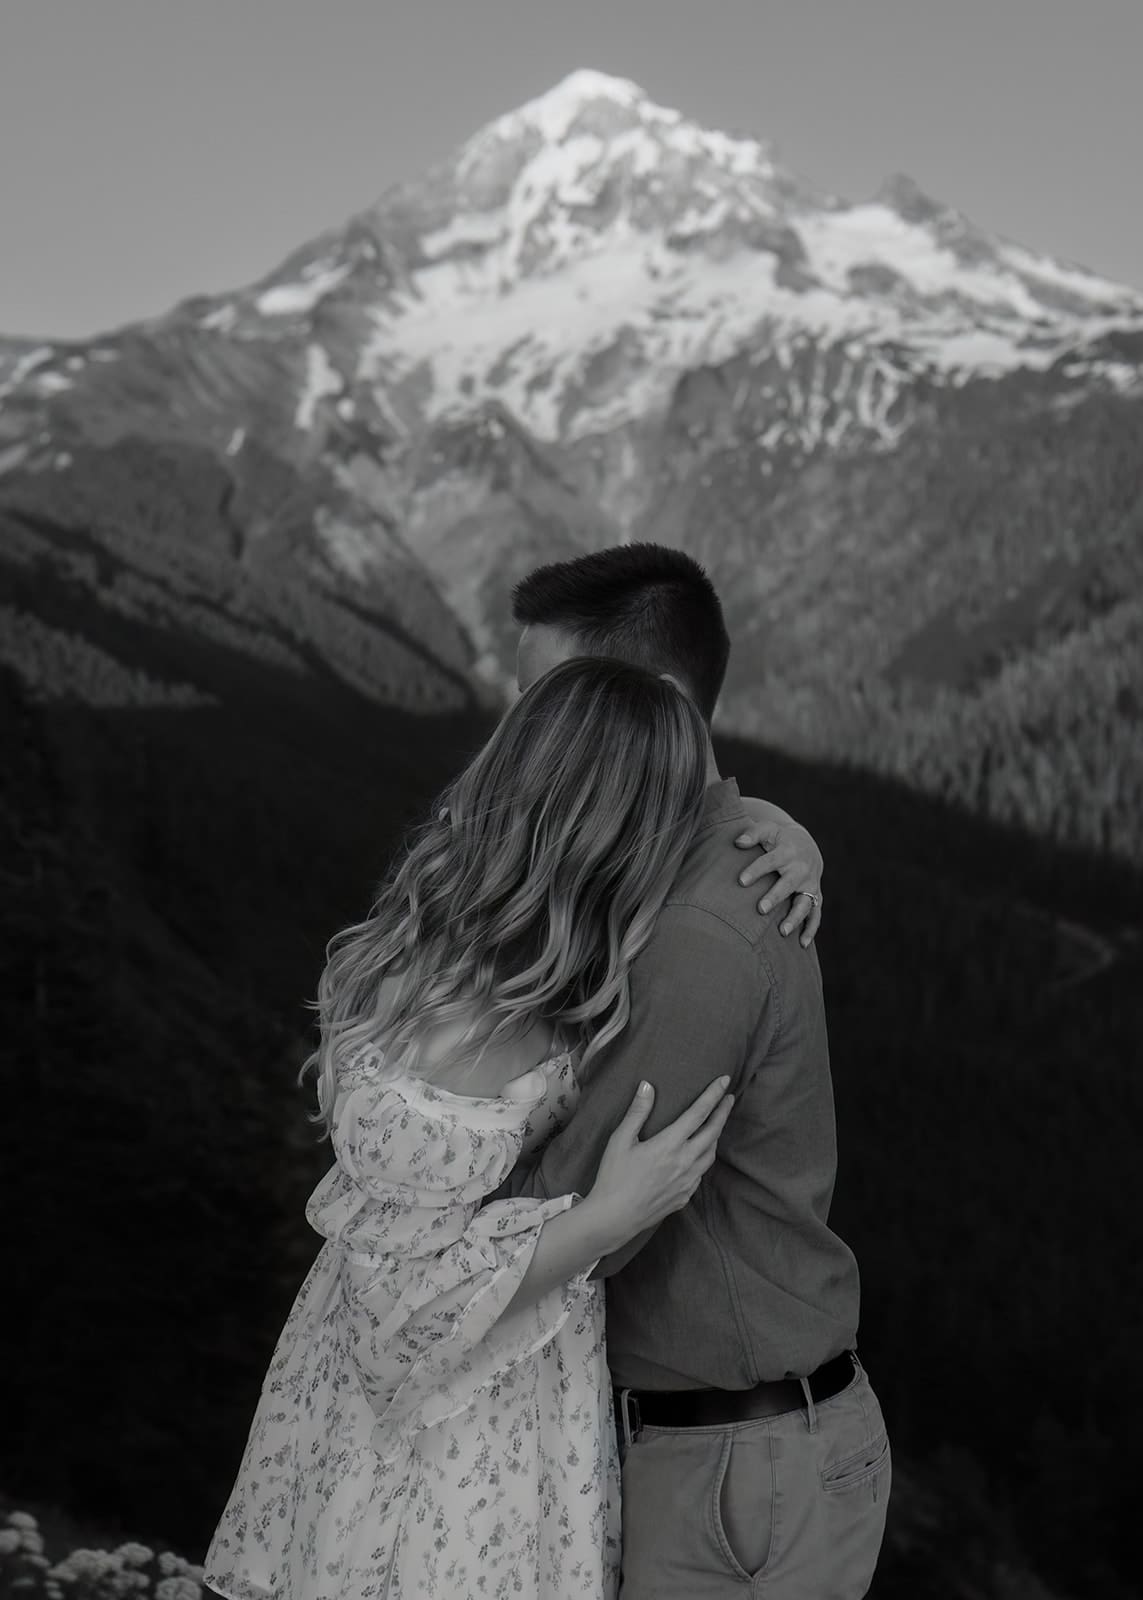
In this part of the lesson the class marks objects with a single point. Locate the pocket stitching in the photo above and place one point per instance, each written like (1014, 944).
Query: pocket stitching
(834, 1479)
(715, 1510)
(717, 1526)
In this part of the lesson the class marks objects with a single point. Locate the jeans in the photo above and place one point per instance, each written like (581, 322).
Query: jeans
(787, 1508)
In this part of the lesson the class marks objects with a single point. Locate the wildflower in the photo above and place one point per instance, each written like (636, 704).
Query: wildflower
(22, 1519)
(90, 1564)
(177, 1589)
(134, 1554)
(9, 1541)
(172, 1566)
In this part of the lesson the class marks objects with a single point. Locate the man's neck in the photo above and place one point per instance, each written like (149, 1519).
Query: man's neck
(713, 775)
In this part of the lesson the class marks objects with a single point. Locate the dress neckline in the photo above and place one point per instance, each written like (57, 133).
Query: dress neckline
(366, 1065)
(432, 1092)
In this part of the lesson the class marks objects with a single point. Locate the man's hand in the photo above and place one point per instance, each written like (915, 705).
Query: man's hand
(791, 852)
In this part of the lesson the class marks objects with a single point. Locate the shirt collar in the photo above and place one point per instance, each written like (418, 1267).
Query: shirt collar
(721, 802)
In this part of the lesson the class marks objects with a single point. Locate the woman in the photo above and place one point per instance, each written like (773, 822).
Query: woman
(437, 1418)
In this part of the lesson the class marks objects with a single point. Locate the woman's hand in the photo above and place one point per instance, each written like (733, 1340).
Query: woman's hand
(641, 1181)
(791, 852)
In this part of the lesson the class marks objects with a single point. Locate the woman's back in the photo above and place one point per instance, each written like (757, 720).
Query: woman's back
(501, 1067)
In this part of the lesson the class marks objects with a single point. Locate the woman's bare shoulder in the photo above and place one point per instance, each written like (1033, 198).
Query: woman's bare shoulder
(446, 1064)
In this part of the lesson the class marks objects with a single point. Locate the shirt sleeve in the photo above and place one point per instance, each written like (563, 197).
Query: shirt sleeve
(697, 995)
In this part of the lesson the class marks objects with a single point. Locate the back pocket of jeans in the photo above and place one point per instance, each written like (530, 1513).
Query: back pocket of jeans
(857, 1467)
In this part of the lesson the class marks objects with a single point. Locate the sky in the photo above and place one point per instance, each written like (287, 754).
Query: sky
(152, 149)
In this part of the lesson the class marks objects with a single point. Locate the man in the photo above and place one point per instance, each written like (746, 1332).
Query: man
(755, 1455)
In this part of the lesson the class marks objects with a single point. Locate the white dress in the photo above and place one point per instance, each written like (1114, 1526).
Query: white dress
(412, 1436)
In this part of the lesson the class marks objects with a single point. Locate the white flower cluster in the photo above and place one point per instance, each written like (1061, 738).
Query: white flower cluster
(133, 1571)
(22, 1553)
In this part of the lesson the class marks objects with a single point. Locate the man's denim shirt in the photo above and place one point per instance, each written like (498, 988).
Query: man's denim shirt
(748, 1282)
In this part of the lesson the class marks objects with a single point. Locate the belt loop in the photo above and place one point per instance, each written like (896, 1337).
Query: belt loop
(811, 1409)
(625, 1401)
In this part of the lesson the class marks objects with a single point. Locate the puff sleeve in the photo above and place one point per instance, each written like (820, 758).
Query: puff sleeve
(426, 1311)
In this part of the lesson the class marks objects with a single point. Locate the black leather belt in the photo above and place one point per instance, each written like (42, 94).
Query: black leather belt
(713, 1408)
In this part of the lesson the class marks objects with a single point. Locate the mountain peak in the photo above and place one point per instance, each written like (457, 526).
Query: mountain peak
(554, 113)
(580, 88)
(597, 105)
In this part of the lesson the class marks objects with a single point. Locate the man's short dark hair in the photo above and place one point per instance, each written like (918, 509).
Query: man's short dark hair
(644, 603)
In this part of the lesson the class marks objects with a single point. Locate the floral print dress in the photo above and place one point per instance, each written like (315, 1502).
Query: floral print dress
(414, 1436)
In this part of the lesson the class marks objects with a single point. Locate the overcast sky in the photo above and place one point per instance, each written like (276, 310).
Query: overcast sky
(151, 149)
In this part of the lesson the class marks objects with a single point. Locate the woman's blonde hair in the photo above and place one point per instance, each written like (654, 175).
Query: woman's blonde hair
(536, 883)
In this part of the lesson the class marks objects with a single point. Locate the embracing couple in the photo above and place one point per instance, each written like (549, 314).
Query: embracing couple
(569, 1061)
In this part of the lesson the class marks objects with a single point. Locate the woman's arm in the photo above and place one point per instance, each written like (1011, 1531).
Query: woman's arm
(792, 852)
(639, 1182)
(568, 1245)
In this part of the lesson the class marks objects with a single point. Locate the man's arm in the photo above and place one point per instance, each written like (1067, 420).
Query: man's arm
(696, 998)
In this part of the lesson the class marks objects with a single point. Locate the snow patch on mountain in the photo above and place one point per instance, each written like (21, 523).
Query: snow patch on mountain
(462, 232)
(321, 379)
(1085, 285)
(534, 347)
(220, 320)
(22, 366)
(350, 549)
(838, 242)
(295, 299)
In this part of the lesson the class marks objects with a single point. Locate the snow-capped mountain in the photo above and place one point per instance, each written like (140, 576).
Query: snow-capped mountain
(578, 255)
(582, 253)
(598, 321)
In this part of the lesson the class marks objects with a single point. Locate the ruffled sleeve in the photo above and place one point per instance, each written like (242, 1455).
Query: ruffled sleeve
(427, 1324)
(399, 1168)
(426, 1354)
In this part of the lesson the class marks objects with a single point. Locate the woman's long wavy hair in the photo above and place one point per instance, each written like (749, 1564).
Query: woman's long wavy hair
(536, 883)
